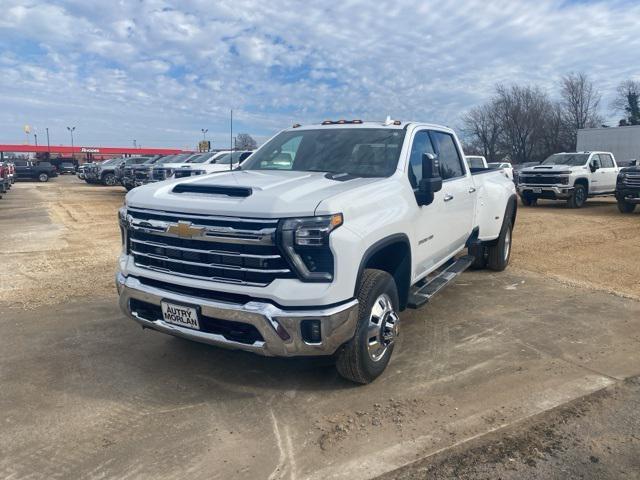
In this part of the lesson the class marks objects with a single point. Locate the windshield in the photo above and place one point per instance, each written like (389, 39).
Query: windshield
(201, 158)
(571, 159)
(174, 158)
(363, 152)
(224, 159)
(475, 162)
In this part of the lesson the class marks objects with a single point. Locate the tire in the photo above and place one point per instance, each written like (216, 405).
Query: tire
(43, 177)
(361, 360)
(578, 197)
(498, 255)
(479, 253)
(528, 200)
(109, 179)
(626, 207)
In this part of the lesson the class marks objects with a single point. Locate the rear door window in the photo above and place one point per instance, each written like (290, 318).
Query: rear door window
(606, 160)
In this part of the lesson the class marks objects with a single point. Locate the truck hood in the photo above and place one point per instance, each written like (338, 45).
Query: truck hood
(552, 168)
(267, 193)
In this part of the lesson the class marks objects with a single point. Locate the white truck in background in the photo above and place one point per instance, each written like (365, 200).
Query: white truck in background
(220, 162)
(476, 161)
(572, 177)
(315, 244)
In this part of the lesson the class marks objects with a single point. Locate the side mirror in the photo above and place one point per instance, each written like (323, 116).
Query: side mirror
(431, 182)
(593, 167)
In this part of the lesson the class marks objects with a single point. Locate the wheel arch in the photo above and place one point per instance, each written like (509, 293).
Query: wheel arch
(391, 254)
(582, 181)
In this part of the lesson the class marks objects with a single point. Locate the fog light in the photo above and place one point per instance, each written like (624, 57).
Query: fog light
(311, 332)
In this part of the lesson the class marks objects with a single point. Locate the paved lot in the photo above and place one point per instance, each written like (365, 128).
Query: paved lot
(87, 394)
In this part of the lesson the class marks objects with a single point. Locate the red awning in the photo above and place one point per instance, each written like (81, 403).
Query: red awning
(94, 150)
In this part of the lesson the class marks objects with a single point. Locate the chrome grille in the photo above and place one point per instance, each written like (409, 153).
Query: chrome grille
(542, 179)
(221, 249)
(632, 180)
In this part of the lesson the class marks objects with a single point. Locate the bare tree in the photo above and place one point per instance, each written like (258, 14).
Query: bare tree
(557, 135)
(482, 128)
(627, 100)
(244, 141)
(522, 111)
(580, 103)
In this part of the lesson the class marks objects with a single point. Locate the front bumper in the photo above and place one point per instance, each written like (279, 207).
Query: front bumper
(337, 323)
(629, 195)
(546, 191)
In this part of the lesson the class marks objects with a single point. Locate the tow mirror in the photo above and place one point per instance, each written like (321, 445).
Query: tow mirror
(431, 182)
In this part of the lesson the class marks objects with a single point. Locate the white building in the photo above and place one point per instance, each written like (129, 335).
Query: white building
(623, 142)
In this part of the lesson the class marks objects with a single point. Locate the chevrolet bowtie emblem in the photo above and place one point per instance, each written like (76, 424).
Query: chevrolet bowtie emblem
(185, 229)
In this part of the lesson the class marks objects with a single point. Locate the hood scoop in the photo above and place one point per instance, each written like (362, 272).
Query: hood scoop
(241, 192)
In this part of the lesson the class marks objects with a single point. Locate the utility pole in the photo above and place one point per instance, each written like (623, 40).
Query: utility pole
(231, 141)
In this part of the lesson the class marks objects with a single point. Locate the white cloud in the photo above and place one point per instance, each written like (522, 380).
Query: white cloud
(161, 70)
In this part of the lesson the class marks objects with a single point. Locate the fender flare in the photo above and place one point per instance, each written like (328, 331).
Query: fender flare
(377, 247)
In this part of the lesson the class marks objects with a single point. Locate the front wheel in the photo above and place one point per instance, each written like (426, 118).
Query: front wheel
(578, 197)
(528, 200)
(626, 207)
(367, 354)
(43, 177)
(109, 179)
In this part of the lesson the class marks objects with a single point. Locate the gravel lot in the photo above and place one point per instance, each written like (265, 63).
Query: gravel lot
(87, 394)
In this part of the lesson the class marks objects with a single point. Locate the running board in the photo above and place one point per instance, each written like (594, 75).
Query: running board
(422, 294)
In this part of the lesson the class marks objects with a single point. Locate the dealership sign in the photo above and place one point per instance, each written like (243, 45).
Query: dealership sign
(89, 150)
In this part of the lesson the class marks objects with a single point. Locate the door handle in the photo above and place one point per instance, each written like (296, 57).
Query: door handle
(472, 190)
(448, 197)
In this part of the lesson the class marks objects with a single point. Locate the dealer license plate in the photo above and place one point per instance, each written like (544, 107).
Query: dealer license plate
(537, 190)
(180, 315)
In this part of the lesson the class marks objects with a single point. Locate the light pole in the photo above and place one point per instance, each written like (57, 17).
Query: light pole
(71, 129)
(135, 145)
(204, 133)
(35, 137)
(48, 144)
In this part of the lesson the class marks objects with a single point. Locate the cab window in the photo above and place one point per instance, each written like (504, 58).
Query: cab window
(448, 155)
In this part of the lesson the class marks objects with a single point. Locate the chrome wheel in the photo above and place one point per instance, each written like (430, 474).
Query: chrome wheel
(383, 327)
(507, 244)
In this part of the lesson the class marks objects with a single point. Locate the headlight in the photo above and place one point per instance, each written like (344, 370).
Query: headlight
(622, 177)
(305, 242)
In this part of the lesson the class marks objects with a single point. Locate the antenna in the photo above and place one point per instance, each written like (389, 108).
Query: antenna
(231, 142)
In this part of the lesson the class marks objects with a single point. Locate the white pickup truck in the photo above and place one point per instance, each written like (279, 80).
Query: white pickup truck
(569, 176)
(315, 244)
(220, 162)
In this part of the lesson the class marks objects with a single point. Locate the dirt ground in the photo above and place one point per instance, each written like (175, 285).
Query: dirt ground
(594, 437)
(72, 253)
(88, 394)
(596, 246)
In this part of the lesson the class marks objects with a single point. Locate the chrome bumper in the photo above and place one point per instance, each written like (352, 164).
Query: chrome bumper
(337, 324)
(560, 191)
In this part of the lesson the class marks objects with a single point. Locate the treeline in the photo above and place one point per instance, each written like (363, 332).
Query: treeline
(524, 124)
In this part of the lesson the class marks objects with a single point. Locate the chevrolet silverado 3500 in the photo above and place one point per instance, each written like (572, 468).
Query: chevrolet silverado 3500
(315, 244)
(569, 176)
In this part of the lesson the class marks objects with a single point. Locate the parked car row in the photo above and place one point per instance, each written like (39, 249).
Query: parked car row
(131, 172)
(7, 176)
(572, 177)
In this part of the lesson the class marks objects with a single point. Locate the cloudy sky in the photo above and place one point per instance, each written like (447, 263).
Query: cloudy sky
(159, 71)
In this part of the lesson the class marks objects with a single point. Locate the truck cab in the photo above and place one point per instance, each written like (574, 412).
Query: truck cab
(572, 177)
(316, 243)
